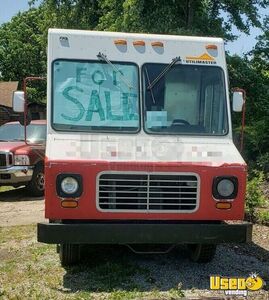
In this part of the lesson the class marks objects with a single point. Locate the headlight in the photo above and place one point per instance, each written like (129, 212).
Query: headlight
(21, 160)
(225, 187)
(69, 185)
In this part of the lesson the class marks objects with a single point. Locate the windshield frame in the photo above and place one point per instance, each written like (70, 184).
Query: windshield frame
(87, 129)
(196, 134)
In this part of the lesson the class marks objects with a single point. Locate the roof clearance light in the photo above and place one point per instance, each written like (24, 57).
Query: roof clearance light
(139, 43)
(211, 47)
(157, 44)
(120, 42)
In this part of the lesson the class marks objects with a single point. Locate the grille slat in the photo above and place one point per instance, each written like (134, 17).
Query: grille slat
(149, 192)
(6, 159)
(143, 203)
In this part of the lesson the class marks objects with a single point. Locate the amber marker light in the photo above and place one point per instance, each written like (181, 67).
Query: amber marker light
(157, 44)
(223, 205)
(211, 47)
(120, 42)
(139, 43)
(69, 203)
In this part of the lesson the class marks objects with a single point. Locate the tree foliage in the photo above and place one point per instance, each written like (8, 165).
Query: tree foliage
(22, 46)
(23, 42)
(156, 16)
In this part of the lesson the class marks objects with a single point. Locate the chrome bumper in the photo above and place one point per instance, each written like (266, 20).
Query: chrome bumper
(15, 174)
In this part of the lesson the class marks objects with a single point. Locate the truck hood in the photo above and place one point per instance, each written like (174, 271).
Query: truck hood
(215, 151)
(12, 146)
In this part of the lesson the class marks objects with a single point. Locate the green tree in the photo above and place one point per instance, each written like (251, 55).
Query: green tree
(156, 16)
(22, 46)
(252, 73)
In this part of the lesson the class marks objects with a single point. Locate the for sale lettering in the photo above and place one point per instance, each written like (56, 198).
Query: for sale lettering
(90, 94)
(95, 106)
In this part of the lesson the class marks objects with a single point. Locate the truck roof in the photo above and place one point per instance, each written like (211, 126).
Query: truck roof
(34, 122)
(143, 36)
(136, 47)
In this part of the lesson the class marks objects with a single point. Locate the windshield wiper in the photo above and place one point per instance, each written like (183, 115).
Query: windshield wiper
(102, 56)
(163, 72)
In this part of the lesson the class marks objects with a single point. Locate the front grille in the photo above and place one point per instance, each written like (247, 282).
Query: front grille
(6, 159)
(131, 191)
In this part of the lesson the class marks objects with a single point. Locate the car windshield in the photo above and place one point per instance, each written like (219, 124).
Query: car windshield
(15, 132)
(187, 100)
(94, 96)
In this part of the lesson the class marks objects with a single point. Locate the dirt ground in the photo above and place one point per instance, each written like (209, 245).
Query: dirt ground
(17, 208)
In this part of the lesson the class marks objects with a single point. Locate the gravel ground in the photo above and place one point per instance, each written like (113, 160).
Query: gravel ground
(148, 273)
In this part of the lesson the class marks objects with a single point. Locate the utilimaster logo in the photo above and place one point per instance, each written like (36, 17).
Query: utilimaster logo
(236, 285)
(201, 59)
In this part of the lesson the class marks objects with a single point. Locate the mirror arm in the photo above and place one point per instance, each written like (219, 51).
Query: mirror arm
(243, 116)
(25, 80)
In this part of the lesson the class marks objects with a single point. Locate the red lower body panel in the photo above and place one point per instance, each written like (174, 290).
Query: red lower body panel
(87, 208)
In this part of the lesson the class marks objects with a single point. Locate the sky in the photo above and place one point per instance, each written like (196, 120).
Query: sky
(9, 8)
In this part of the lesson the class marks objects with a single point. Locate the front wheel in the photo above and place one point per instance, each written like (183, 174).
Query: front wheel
(37, 184)
(69, 254)
(202, 253)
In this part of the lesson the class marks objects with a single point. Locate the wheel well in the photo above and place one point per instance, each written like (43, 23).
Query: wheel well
(39, 163)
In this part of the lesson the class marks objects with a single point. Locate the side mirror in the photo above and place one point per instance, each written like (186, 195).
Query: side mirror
(18, 101)
(238, 101)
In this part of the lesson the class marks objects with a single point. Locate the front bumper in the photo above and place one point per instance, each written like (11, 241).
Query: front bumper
(16, 174)
(146, 233)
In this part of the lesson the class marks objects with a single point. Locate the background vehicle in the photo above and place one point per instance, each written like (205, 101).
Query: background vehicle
(21, 163)
(139, 147)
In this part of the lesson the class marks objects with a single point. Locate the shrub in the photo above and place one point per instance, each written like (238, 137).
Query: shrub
(263, 163)
(254, 196)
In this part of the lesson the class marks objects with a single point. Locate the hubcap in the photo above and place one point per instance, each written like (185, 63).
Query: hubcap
(40, 181)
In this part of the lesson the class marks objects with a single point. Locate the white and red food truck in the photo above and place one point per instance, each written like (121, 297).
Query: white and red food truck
(139, 144)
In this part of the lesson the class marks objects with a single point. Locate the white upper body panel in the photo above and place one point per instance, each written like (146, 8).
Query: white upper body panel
(85, 45)
(142, 148)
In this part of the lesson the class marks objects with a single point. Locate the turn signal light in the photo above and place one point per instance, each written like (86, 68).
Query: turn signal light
(223, 205)
(69, 203)
(120, 42)
(157, 44)
(139, 43)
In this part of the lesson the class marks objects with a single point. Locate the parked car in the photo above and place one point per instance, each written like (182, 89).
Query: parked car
(23, 163)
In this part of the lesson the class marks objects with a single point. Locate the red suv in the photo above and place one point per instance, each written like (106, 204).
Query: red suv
(23, 163)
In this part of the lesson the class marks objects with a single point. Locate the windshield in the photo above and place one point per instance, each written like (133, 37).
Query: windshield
(15, 132)
(187, 100)
(93, 96)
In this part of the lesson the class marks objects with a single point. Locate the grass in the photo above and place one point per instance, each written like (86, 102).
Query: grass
(31, 270)
(263, 216)
(5, 188)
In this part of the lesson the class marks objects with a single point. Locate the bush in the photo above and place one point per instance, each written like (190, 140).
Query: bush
(263, 163)
(254, 196)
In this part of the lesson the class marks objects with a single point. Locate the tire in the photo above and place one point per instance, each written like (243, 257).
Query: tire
(202, 253)
(69, 254)
(37, 184)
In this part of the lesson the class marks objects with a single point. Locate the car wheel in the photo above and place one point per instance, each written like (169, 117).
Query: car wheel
(37, 185)
(202, 253)
(69, 254)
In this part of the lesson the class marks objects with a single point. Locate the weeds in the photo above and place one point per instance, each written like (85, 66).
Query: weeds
(254, 196)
